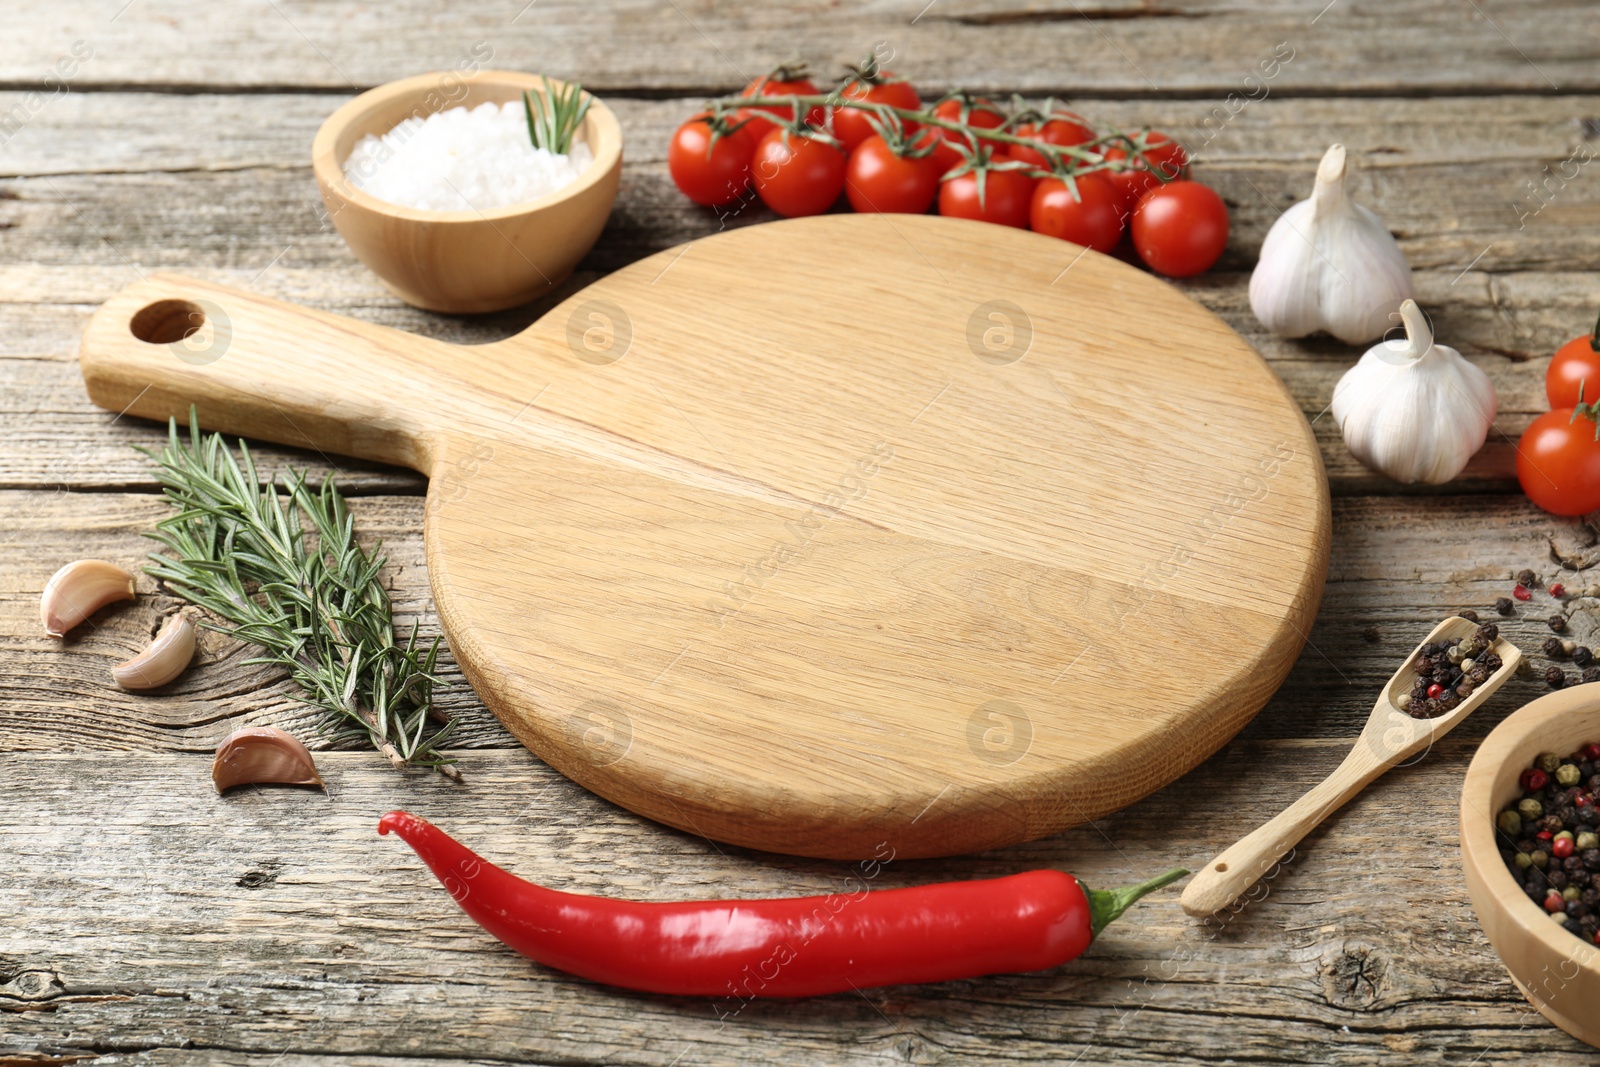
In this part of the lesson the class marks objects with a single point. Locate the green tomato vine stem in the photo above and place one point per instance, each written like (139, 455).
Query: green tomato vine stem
(1089, 160)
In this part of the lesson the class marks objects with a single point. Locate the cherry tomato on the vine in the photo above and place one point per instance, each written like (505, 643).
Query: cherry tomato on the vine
(1576, 367)
(1161, 156)
(978, 112)
(797, 175)
(781, 82)
(1180, 228)
(1063, 129)
(706, 172)
(852, 125)
(1092, 218)
(1558, 463)
(880, 179)
(1006, 197)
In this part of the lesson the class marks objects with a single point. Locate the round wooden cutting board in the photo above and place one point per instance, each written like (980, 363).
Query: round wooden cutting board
(819, 536)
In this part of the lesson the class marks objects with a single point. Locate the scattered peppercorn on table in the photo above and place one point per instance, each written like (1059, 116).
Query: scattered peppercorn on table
(143, 920)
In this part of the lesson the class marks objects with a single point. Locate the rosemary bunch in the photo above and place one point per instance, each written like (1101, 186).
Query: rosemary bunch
(554, 116)
(283, 571)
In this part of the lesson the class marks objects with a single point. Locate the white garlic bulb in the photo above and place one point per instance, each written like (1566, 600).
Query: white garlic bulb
(1329, 264)
(1412, 409)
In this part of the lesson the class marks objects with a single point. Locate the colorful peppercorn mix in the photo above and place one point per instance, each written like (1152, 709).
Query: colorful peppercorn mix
(1447, 672)
(1549, 837)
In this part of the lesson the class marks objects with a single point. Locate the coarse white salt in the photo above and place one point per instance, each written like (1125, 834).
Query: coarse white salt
(462, 159)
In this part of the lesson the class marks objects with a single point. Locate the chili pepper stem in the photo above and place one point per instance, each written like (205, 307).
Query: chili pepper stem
(1107, 905)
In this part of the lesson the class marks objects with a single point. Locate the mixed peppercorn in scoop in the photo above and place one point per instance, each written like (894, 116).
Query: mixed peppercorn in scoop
(1550, 838)
(1449, 671)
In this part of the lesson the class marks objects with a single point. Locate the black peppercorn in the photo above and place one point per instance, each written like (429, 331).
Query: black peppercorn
(1479, 674)
(1491, 660)
(1573, 865)
(1558, 623)
(1552, 647)
(1527, 578)
(1556, 878)
(1577, 909)
(1583, 655)
(1591, 674)
(1464, 690)
(1504, 605)
(1554, 678)
(1468, 614)
(1550, 824)
(1590, 896)
(1591, 858)
(1535, 892)
(1487, 632)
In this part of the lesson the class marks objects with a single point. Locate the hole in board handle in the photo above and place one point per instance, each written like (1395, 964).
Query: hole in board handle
(166, 321)
(1222, 868)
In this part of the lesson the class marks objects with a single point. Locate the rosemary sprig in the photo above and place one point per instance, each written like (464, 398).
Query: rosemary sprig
(283, 571)
(554, 115)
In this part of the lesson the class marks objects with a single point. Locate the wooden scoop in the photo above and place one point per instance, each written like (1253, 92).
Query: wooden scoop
(1389, 737)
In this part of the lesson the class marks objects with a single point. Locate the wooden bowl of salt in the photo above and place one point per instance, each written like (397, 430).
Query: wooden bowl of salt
(481, 257)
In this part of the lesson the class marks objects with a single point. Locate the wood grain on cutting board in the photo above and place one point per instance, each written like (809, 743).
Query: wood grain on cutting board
(822, 533)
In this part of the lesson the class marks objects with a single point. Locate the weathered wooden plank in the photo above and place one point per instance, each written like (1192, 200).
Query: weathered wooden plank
(1113, 47)
(1398, 564)
(147, 915)
(1455, 179)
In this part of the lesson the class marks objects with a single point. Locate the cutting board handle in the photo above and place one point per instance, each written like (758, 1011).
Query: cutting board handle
(265, 369)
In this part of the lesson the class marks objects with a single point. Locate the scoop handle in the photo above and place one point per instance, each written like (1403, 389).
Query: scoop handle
(270, 370)
(1225, 879)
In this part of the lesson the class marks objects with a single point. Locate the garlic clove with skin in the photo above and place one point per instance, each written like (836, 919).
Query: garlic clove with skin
(1329, 264)
(80, 589)
(167, 657)
(262, 754)
(1413, 409)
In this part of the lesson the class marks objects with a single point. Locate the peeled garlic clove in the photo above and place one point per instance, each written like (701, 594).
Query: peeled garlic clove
(166, 658)
(1414, 410)
(1329, 264)
(80, 589)
(262, 754)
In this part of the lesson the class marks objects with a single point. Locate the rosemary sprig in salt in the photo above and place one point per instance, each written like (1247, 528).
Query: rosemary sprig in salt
(555, 115)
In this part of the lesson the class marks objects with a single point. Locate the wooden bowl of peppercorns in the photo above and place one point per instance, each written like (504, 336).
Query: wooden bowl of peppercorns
(1530, 849)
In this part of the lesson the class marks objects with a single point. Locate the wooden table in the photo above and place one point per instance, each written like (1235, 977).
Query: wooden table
(144, 920)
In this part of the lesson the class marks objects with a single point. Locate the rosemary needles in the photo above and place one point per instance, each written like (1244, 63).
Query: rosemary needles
(554, 115)
(280, 567)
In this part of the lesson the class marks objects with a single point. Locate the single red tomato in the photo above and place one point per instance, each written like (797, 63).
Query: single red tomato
(1092, 218)
(1575, 367)
(978, 113)
(880, 179)
(782, 82)
(1063, 129)
(707, 172)
(1180, 228)
(1161, 156)
(797, 175)
(852, 125)
(1558, 463)
(1006, 197)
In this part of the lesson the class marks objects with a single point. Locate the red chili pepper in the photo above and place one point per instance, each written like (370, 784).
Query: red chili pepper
(1558, 590)
(1521, 593)
(797, 947)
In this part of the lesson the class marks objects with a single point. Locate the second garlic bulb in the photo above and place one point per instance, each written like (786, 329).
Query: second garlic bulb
(1412, 409)
(1329, 264)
